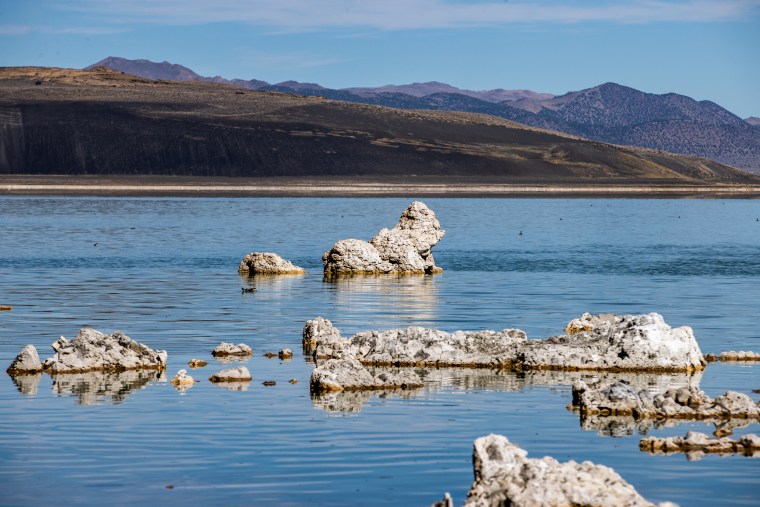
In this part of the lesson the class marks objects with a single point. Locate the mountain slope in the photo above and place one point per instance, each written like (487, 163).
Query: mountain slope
(65, 121)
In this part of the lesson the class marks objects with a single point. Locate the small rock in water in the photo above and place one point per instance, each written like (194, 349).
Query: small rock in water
(293, 381)
(267, 263)
(270, 355)
(182, 379)
(269, 383)
(749, 445)
(239, 374)
(285, 354)
(5, 308)
(248, 289)
(196, 363)
(26, 362)
(229, 349)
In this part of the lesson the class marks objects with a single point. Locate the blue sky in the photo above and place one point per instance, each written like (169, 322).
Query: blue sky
(705, 49)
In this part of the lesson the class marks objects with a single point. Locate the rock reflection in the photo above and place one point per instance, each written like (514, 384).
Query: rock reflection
(233, 386)
(92, 387)
(410, 300)
(27, 384)
(436, 379)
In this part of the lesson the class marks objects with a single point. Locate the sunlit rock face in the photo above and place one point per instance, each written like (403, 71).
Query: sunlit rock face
(239, 374)
(267, 263)
(404, 249)
(225, 349)
(504, 475)
(26, 362)
(350, 375)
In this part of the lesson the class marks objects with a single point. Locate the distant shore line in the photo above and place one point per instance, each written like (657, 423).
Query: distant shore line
(162, 187)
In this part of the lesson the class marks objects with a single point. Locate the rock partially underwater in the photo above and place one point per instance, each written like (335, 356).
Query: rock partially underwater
(225, 349)
(602, 343)
(27, 362)
(91, 350)
(504, 475)
(405, 249)
(733, 357)
(239, 374)
(350, 375)
(267, 263)
(695, 444)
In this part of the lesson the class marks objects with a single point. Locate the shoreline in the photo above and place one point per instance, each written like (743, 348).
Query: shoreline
(157, 186)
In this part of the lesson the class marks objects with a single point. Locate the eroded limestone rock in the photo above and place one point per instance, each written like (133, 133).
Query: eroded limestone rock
(617, 343)
(239, 374)
(405, 249)
(225, 349)
(733, 356)
(350, 375)
(267, 263)
(26, 362)
(91, 350)
(182, 379)
(695, 444)
(504, 475)
(620, 399)
(316, 331)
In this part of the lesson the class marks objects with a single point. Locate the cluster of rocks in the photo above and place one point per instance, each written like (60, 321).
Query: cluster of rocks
(733, 356)
(267, 263)
(696, 444)
(405, 249)
(620, 399)
(90, 350)
(504, 475)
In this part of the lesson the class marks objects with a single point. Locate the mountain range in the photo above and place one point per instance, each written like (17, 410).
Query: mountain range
(610, 112)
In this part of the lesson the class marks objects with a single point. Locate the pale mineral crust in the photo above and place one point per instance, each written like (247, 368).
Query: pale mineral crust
(404, 249)
(733, 356)
(182, 379)
(91, 350)
(350, 375)
(26, 362)
(504, 475)
(239, 374)
(316, 331)
(230, 349)
(267, 263)
(620, 399)
(695, 442)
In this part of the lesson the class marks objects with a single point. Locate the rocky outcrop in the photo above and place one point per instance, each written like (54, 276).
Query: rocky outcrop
(696, 444)
(26, 362)
(601, 343)
(267, 263)
(349, 375)
(620, 399)
(616, 343)
(733, 356)
(91, 350)
(225, 349)
(405, 249)
(182, 379)
(504, 475)
(239, 374)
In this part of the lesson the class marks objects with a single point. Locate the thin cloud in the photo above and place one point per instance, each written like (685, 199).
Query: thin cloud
(14, 29)
(297, 15)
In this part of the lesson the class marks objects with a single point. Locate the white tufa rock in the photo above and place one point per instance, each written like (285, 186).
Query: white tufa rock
(696, 444)
(91, 350)
(267, 263)
(349, 375)
(316, 331)
(26, 362)
(239, 374)
(405, 249)
(285, 354)
(182, 379)
(229, 349)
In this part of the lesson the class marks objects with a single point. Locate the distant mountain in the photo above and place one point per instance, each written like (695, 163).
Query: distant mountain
(610, 112)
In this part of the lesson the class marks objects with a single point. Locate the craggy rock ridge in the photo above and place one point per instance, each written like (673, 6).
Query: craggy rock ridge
(504, 475)
(696, 444)
(405, 249)
(609, 343)
(267, 263)
(91, 350)
(620, 399)
(348, 374)
(733, 356)
(225, 349)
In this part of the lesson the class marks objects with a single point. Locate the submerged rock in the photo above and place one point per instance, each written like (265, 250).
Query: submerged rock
(267, 263)
(405, 249)
(239, 374)
(617, 343)
(504, 475)
(733, 356)
(197, 363)
(695, 444)
(225, 349)
(620, 399)
(91, 350)
(182, 379)
(26, 362)
(349, 375)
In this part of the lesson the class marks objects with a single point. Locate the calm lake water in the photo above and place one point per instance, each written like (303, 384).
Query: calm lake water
(164, 271)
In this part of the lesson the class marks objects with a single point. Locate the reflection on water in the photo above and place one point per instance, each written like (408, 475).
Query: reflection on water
(436, 379)
(233, 386)
(405, 299)
(95, 386)
(27, 384)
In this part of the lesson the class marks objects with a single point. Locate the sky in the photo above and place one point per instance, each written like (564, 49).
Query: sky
(706, 49)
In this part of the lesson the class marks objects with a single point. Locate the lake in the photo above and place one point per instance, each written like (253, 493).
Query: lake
(164, 271)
